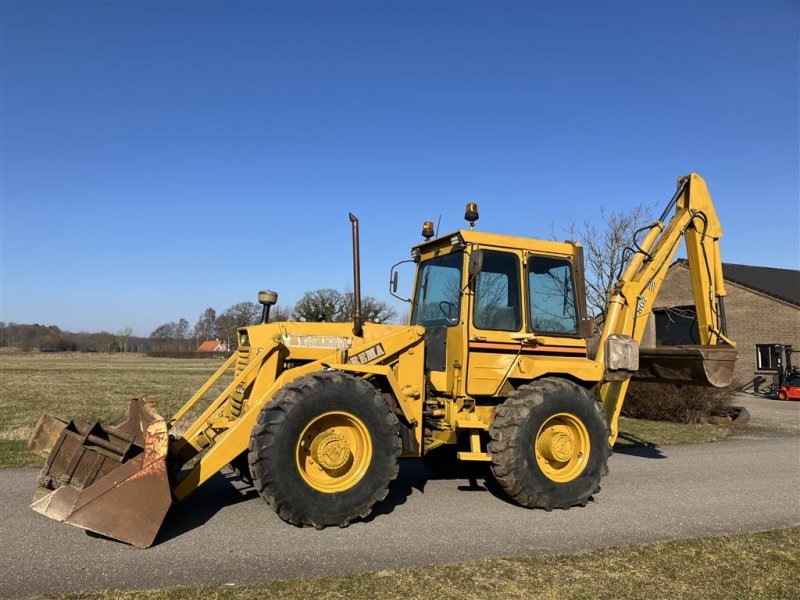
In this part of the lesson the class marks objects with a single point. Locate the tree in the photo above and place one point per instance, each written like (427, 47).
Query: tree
(333, 306)
(106, 342)
(182, 332)
(239, 315)
(164, 336)
(372, 309)
(124, 337)
(280, 313)
(244, 313)
(605, 252)
(206, 326)
(318, 305)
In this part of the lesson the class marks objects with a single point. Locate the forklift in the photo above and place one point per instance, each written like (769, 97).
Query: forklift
(787, 386)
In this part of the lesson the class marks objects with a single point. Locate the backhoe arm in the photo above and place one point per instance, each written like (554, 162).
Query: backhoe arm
(632, 299)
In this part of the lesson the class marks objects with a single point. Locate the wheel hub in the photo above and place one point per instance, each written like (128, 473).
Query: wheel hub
(334, 451)
(330, 450)
(562, 447)
(557, 444)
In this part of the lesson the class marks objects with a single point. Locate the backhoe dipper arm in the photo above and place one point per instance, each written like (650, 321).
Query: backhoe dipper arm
(632, 298)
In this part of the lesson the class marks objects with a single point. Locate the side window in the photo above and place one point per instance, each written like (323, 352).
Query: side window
(552, 296)
(497, 304)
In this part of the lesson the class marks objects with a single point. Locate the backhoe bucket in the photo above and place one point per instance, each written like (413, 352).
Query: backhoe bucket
(112, 481)
(697, 365)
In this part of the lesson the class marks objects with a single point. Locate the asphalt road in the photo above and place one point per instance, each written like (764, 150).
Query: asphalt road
(227, 535)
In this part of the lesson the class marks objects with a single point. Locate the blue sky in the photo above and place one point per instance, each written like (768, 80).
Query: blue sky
(159, 158)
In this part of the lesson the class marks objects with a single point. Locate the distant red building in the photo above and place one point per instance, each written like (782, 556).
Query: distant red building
(213, 346)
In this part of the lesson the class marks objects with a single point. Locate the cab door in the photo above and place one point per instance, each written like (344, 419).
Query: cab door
(439, 308)
(496, 313)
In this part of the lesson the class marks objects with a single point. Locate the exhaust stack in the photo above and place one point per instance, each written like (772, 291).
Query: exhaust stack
(358, 329)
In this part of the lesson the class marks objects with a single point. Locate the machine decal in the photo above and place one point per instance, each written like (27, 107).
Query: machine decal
(334, 342)
(367, 355)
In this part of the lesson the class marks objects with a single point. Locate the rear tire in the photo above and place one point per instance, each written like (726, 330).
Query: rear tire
(324, 450)
(549, 445)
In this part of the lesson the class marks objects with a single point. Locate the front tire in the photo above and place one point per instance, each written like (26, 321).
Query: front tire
(549, 445)
(324, 450)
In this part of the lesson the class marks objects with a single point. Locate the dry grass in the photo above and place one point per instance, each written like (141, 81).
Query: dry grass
(88, 387)
(640, 432)
(760, 565)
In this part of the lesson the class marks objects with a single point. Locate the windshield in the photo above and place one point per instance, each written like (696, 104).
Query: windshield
(437, 299)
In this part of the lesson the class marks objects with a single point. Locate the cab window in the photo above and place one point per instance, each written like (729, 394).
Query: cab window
(552, 296)
(437, 300)
(497, 303)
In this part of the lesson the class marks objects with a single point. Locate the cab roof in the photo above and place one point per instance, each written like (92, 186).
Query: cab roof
(483, 238)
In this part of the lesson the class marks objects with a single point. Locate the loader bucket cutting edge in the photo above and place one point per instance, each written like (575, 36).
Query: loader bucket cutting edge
(697, 365)
(112, 481)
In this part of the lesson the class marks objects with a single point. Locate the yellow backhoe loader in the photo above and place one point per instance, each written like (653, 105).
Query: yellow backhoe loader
(494, 363)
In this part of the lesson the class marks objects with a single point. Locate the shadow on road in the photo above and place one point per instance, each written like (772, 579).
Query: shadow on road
(224, 489)
(412, 476)
(639, 448)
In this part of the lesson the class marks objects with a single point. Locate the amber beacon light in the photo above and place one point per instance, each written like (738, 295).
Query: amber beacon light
(471, 214)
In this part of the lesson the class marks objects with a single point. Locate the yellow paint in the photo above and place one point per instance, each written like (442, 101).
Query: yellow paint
(333, 452)
(631, 303)
(481, 366)
(562, 447)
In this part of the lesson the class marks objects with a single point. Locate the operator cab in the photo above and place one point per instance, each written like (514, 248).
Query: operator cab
(486, 299)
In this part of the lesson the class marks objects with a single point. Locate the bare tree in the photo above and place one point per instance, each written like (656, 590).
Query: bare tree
(206, 326)
(280, 313)
(372, 309)
(318, 305)
(163, 336)
(182, 332)
(239, 315)
(605, 254)
(124, 338)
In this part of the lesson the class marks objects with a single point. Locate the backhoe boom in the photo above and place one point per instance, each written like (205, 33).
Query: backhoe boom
(632, 299)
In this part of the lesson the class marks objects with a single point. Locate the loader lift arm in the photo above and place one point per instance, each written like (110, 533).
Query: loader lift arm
(631, 302)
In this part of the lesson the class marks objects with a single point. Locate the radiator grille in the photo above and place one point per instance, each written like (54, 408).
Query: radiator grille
(242, 358)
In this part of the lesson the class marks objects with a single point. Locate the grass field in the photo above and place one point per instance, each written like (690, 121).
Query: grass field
(760, 565)
(90, 387)
(96, 387)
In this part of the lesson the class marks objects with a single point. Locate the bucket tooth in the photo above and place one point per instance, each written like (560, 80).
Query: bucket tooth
(112, 481)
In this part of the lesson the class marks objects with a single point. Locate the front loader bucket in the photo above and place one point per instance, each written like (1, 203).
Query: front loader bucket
(697, 365)
(112, 481)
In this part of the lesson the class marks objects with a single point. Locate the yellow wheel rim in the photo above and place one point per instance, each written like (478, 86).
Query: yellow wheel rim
(562, 447)
(334, 451)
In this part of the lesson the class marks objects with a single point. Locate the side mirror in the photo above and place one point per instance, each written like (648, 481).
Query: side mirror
(475, 263)
(393, 279)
